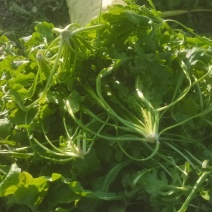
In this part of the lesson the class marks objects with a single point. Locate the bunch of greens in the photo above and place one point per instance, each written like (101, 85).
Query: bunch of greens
(114, 116)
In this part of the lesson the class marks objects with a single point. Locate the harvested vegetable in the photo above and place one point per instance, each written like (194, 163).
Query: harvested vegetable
(124, 104)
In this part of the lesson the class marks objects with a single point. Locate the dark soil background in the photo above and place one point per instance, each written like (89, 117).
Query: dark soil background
(18, 17)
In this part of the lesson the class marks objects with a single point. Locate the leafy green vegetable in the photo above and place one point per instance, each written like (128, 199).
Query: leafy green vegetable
(118, 113)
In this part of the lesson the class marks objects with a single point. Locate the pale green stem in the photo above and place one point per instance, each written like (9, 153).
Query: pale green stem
(50, 143)
(193, 191)
(48, 83)
(204, 112)
(183, 94)
(203, 39)
(85, 29)
(165, 14)
(180, 152)
(106, 106)
(157, 145)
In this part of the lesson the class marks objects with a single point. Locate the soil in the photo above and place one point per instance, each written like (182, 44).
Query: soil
(18, 17)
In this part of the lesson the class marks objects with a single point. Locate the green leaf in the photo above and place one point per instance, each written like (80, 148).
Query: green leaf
(20, 184)
(11, 182)
(88, 166)
(62, 193)
(187, 106)
(5, 128)
(111, 176)
(78, 189)
(45, 29)
(75, 100)
(206, 195)
(17, 116)
(154, 182)
(55, 177)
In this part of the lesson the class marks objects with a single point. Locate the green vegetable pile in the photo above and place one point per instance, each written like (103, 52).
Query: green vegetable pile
(114, 116)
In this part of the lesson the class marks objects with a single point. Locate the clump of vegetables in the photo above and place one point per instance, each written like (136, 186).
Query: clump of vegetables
(128, 92)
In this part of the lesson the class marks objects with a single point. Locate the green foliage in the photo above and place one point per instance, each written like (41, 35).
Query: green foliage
(114, 116)
(195, 14)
